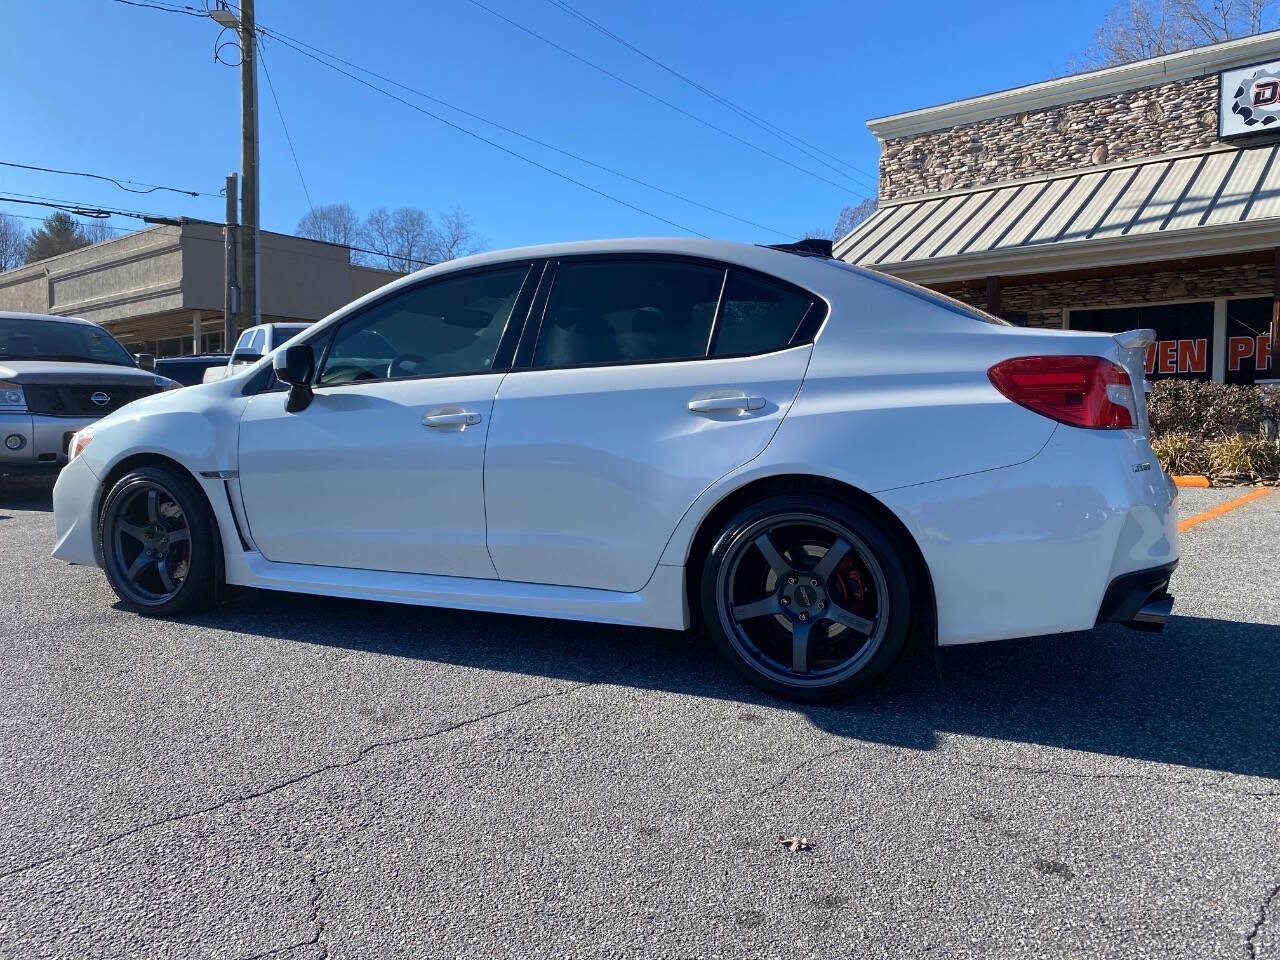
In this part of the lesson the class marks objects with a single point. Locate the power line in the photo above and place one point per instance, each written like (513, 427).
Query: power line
(27, 216)
(101, 213)
(285, 39)
(167, 7)
(90, 210)
(280, 113)
(653, 96)
(121, 183)
(289, 41)
(789, 138)
(493, 143)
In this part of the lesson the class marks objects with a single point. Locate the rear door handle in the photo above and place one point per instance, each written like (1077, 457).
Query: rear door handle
(738, 403)
(463, 418)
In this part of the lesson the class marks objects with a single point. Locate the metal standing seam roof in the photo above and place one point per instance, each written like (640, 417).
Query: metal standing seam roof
(1153, 197)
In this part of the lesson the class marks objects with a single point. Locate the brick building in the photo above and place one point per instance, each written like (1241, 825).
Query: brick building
(1144, 195)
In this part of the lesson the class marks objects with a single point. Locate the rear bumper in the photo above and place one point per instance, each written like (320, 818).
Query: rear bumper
(1033, 549)
(1139, 599)
(43, 444)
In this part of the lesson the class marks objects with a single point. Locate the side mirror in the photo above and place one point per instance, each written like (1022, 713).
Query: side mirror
(147, 361)
(296, 366)
(245, 356)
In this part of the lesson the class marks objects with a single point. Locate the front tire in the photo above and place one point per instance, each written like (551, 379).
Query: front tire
(159, 543)
(807, 597)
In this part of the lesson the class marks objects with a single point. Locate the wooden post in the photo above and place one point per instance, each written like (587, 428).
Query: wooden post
(993, 296)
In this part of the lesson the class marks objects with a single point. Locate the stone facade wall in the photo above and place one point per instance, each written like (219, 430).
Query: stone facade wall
(1043, 303)
(1123, 126)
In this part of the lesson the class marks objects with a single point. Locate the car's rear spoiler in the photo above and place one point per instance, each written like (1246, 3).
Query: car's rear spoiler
(1134, 345)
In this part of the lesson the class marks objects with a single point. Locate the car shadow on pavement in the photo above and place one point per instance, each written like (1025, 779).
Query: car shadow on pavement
(25, 493)
(1204, 693)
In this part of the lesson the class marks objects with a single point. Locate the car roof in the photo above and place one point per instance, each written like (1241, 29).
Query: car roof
(17, 315)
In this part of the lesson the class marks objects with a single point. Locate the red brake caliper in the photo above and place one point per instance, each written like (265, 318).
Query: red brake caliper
(849, 583)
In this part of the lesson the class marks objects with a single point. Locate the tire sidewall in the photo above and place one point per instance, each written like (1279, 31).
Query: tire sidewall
(882, 545)
(199, 588)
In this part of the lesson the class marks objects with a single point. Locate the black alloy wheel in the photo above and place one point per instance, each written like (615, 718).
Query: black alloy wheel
(807, 597)
(158, 539)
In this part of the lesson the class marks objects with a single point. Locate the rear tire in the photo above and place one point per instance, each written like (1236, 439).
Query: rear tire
(807, 596)
(159, 543)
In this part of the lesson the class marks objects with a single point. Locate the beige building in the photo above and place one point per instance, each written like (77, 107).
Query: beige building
(160, 290)
(1144, 195)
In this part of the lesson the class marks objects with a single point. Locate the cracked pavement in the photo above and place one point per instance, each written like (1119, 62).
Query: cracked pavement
(296, 777)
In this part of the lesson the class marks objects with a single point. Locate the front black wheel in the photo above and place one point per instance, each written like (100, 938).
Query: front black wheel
(807, 596)
(159, 542)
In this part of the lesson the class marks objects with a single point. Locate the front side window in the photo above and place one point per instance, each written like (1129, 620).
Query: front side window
(757, 316)
(452, 326)
(628, 311)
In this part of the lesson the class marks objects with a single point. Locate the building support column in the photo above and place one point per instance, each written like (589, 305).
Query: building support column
(196, 316)
(1273, 370)
(1218, 345)
(993, 296)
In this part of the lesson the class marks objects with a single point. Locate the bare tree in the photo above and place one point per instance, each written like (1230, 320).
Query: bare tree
(334, 223)
(403, 238)
(407, 238)
(13, 242)
(96, 231)
(455, 235)
(1139, 29)
(846, 220)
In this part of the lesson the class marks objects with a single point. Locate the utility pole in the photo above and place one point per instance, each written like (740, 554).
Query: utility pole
(250, 256)
(231, 296)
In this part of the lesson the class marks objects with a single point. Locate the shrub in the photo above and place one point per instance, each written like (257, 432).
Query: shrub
(1210, 410)
(1256, 458)
(1182, 453)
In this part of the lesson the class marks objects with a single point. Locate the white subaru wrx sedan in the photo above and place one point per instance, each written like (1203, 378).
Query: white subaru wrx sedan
(811, 461)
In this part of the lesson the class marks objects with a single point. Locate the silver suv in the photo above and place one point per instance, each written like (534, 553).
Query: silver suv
(58, 374)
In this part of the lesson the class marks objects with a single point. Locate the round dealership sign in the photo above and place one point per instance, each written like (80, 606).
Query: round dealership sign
(1257, 99)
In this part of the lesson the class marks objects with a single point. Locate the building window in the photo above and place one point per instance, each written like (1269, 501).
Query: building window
(1184, 335)
(1249, 340)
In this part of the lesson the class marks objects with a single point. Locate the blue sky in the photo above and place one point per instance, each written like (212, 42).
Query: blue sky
(96, 85)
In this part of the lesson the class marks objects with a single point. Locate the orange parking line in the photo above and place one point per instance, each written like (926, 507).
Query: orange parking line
(1222, 508)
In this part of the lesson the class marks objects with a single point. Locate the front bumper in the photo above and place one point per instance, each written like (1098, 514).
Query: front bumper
(75, 511)
(43, 444)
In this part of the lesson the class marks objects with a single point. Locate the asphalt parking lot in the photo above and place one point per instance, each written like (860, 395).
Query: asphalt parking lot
(297, 777)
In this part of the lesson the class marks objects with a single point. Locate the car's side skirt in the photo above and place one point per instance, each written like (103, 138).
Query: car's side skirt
(660, 603)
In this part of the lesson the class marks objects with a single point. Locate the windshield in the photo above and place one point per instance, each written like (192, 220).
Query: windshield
(25, 339)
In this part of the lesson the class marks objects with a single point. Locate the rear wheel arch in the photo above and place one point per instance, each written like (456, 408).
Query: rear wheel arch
(924, 622)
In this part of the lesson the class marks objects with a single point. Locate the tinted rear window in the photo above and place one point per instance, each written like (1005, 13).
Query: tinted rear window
(757, 316)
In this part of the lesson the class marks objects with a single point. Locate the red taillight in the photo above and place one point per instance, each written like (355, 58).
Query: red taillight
(1081, 391)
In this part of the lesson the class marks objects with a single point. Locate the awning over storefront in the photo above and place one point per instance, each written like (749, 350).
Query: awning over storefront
(1203, 204)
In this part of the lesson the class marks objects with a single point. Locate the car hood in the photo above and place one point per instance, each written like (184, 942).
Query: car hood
(65, 371)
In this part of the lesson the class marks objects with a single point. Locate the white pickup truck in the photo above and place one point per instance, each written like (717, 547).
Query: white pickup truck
(254, 344)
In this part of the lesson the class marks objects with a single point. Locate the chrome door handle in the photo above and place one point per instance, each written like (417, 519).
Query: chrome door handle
(725, 404)
(463, 418)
